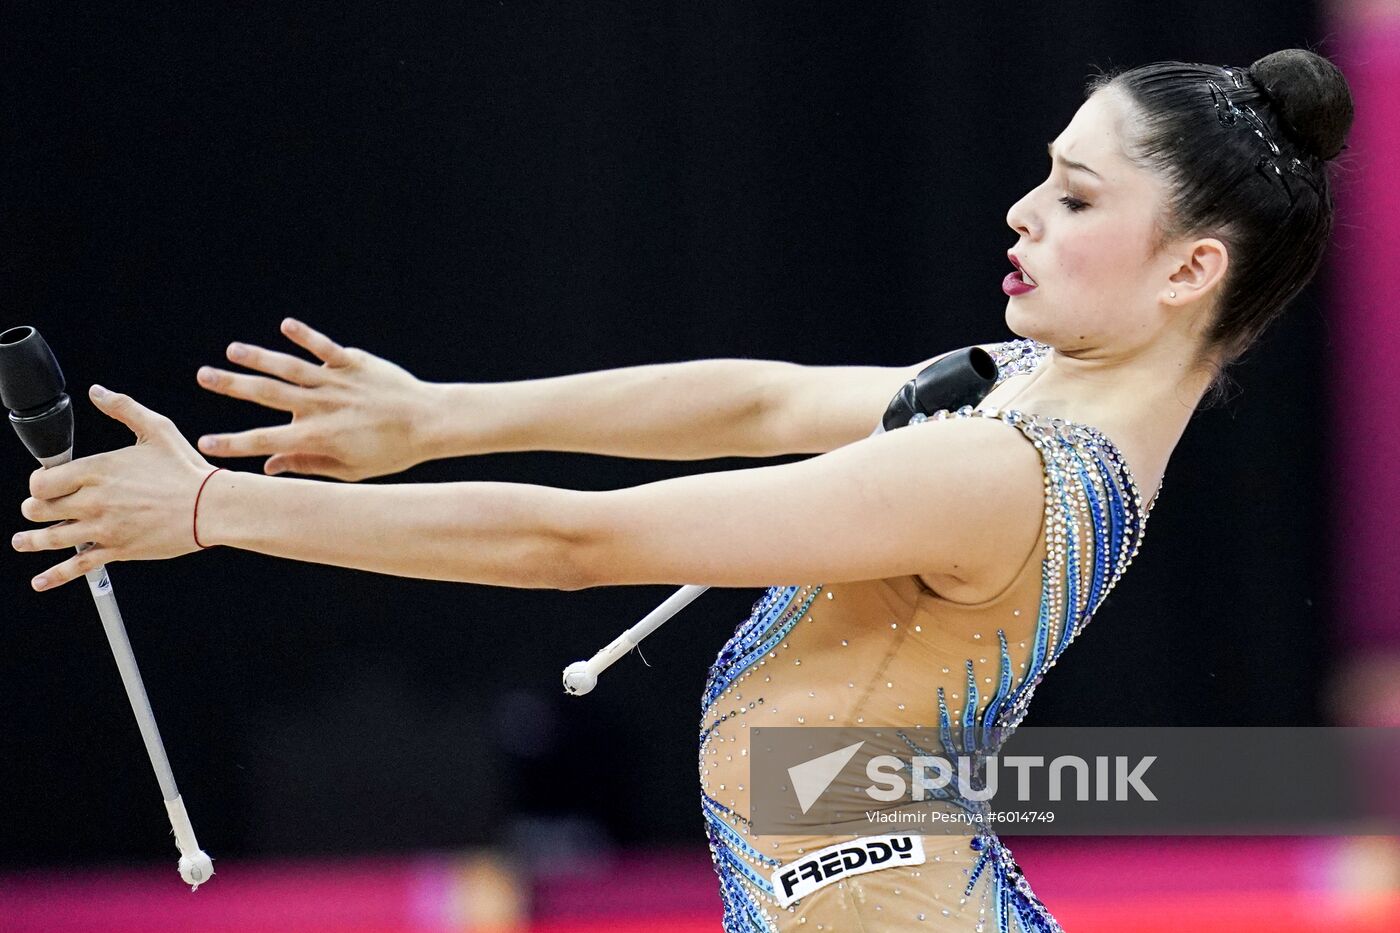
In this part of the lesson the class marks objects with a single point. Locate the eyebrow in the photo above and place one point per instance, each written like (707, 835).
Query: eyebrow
(1050, 148)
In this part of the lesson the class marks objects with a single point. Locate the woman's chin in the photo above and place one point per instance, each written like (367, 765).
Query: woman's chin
(1017, 314)
(1022, 322)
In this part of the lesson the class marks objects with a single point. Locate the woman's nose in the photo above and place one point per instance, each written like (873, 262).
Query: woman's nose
(1020, 219)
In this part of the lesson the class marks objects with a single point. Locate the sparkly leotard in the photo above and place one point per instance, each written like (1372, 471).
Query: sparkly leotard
(891, 652)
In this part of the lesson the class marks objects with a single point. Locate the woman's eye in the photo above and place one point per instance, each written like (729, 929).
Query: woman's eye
(1074, 204)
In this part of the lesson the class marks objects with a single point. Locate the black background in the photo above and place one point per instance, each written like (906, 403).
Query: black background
(491, 191)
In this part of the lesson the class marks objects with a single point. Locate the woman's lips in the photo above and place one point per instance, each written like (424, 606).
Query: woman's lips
(1015, 285)
(1018, 282)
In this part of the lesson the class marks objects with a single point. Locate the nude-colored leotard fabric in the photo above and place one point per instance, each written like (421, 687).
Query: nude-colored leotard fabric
(892, 653)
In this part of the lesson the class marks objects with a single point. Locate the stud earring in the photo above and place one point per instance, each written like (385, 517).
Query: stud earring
(1173, 294)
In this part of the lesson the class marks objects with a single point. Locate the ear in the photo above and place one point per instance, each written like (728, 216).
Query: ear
(1202, 268)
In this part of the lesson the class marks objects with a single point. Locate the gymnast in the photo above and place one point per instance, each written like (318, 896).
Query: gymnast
(933, 574)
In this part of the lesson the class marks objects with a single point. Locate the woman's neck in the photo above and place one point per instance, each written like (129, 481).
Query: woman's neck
(1142, 400)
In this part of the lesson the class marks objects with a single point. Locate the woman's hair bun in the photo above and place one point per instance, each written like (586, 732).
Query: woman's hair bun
(1310, 95)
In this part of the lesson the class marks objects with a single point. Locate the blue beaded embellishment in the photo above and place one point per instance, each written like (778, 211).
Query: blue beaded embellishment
(1093, 511)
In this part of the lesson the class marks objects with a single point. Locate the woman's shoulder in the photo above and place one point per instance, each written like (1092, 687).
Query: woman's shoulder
(1048, 474)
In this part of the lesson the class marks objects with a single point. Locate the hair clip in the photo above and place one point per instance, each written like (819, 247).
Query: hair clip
(1231, 114)
(1235, 77)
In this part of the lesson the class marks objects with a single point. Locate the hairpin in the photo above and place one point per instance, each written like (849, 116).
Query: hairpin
(1231, 114)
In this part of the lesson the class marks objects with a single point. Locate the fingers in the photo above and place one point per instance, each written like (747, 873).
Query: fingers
(73, 567)
(57, 481)
(282, 365)
(258, 442)
(319, 345)
(57, 537)
(143, 422)
(52, 538)
(54, 510)
(305, 464)
(267, 392)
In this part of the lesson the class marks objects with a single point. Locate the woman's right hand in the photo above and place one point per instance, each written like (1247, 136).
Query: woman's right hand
(353, 417)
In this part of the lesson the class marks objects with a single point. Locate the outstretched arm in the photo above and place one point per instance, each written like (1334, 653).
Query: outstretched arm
(356, 415)
(691, 410)
(957, 497)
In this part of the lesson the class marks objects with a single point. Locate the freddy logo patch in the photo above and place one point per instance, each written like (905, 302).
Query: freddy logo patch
(857, 857)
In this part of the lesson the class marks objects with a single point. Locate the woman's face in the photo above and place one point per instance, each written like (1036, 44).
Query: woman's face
(1086, 236)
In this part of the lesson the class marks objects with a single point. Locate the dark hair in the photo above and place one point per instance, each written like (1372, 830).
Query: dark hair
(1211, 132)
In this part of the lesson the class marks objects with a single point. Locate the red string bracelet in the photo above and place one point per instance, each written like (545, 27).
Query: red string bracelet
(196, 506)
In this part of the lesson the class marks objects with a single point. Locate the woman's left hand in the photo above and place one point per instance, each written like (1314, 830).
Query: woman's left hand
(136, 503)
